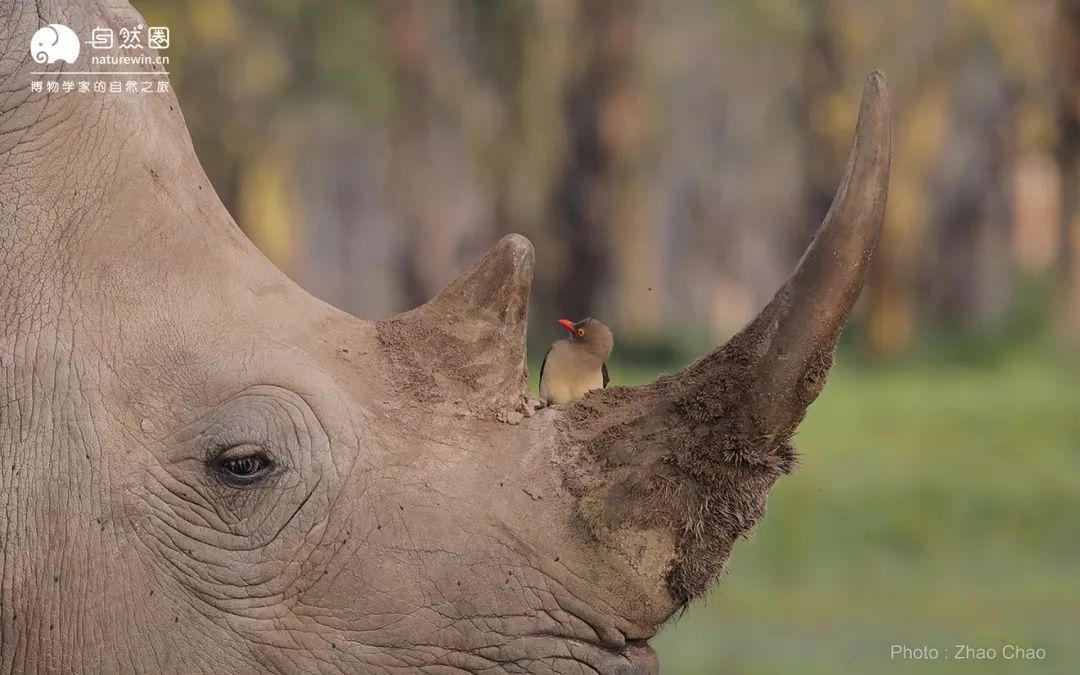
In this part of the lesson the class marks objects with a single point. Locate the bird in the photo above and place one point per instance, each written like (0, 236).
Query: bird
(576, 364)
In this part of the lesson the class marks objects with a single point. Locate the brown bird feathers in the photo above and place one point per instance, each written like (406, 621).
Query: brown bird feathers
(576, 364)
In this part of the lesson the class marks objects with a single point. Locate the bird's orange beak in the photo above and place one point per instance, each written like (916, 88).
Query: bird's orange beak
(567, 324)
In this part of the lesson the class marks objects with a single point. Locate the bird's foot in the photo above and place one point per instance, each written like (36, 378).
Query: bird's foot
(530, 404)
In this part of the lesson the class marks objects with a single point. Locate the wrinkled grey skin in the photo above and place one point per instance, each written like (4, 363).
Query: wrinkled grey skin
(414, 520)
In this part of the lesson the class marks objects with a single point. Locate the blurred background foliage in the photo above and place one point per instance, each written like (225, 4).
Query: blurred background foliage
(670, 161)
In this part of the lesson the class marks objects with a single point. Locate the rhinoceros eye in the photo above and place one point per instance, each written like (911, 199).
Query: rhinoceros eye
(241, 470)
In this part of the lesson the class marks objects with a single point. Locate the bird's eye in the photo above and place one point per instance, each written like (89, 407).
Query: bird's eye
(244, 470)
(581, 332)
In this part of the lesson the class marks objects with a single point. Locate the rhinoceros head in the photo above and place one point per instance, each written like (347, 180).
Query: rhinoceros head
(204, 468)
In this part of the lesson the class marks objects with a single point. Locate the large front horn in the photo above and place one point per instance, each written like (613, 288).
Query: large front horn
(812, 306)
(780, 359)
(694, 454)
(466, 346)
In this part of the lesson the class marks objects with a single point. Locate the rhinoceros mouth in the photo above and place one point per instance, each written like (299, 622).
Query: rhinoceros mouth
(643, 658)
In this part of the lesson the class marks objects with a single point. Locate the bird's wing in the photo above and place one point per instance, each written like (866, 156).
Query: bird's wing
(603, 369)
(544, 363)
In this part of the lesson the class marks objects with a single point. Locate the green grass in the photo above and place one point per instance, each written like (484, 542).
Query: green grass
(933, 506)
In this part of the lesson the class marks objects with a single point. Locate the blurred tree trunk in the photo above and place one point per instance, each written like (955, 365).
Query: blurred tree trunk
(534, 162)
(1067, 103)
(922, 76)
(594, 193)
(437, 197)
(968, 269)
(823, 153)
(1068, 260)
(918, 136)
(523, 51)
(409, 36)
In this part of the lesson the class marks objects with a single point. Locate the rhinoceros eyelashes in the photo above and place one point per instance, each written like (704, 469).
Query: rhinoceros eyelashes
(243, 466)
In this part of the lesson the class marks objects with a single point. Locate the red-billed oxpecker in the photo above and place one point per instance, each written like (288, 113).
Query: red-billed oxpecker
(575, 365)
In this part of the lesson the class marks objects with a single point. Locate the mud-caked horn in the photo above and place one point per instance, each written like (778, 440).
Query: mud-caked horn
(693, 455)
(466, 346)
(780, 359)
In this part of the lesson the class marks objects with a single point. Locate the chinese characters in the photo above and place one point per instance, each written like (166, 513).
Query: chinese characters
(101, 87)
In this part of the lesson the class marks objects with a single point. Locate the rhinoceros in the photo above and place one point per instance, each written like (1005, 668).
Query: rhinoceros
(206, 469)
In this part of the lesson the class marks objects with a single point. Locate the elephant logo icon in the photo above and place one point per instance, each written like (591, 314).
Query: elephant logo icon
(53, 43)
